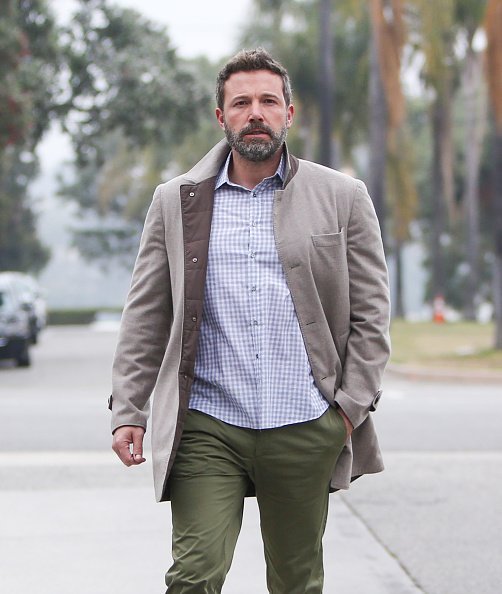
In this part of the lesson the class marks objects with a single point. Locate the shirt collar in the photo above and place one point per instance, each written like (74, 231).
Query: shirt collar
(222, 177)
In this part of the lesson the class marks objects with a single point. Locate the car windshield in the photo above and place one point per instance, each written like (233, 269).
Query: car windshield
(5, 300)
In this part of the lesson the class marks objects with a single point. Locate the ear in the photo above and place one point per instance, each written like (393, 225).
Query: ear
(290, 115)
(220, 118)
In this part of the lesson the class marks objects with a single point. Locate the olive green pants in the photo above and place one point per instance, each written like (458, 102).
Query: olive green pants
(289, 468)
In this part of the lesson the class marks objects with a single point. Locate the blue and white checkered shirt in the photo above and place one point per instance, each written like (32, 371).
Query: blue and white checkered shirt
(252, 368)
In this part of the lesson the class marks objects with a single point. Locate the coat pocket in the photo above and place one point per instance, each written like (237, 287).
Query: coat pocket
(329, 239)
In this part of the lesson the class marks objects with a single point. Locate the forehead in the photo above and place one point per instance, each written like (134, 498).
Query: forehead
(253, 82)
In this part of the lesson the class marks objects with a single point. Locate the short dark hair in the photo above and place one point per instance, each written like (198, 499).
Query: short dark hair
(247, 61)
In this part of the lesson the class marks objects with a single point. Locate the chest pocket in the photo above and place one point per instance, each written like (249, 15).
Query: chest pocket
(329, 253)
(326, 240)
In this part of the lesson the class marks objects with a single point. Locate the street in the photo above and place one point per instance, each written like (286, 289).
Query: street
(73, 519)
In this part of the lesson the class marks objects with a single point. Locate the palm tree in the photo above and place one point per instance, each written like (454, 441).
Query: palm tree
(326, 82)
(435, 28)
(391, 168)
(470, 18)
(493, 27)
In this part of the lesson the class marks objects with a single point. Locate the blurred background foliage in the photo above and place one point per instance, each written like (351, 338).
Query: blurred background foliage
(405, 94)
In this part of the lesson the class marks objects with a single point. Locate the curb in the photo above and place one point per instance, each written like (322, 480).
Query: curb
(444, 374)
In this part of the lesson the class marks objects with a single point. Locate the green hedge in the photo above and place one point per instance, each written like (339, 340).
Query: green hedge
(62, 317)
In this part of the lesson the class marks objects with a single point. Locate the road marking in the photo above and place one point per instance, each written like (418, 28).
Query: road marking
(105, 458)
(60, 458)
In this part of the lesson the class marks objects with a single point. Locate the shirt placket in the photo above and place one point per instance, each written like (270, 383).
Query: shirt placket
(256, 318)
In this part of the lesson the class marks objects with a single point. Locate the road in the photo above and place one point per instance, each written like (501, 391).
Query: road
(436, 511)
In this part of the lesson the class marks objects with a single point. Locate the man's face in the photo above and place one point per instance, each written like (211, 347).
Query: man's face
(255, 116)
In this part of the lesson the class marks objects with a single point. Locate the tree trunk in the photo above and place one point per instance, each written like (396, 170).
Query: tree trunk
(399, 311)
(475, 114)
(447, 150)
(326, 84)
(378, 132)
(438, 214)
(497, 212)
(307, 134)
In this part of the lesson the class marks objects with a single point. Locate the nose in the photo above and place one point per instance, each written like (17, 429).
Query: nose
(255, 114)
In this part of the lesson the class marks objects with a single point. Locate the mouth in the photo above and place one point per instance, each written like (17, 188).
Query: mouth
(257, 134)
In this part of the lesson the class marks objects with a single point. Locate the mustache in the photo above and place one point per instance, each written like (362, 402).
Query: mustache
(256, 128)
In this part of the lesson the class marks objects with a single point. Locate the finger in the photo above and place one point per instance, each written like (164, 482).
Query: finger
(122, 448)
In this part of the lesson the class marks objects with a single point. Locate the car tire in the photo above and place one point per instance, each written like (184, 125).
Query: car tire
(23, 359)
(33, 332)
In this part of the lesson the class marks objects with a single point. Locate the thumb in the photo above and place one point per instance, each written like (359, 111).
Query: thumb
(137, 447)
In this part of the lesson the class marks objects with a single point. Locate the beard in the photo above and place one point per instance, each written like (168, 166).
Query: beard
(256, 149)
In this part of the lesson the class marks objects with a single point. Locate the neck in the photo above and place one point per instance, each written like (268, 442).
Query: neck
(250, 173)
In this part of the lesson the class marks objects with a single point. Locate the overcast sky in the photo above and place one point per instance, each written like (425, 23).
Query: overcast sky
(195, 26)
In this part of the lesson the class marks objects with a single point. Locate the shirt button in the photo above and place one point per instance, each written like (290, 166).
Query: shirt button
(252, 254)
(254, 194)
(195, 259)
(253, 288)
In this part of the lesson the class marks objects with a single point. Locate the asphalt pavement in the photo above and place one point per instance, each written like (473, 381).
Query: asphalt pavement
(72, 519)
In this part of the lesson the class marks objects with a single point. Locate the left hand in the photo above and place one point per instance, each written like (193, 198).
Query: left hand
(348, 424)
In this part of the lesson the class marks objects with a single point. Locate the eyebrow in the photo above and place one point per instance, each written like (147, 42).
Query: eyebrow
(265, 94)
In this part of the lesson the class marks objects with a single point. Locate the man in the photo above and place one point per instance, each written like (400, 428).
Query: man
(259, 313)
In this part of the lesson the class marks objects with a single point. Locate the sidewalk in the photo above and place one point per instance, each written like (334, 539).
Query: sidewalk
(81, 523)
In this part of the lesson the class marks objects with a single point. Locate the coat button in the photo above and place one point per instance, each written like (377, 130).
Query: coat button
(192, 194)
(195, 260)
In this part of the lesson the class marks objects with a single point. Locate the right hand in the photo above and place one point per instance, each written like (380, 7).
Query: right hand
(123, 437)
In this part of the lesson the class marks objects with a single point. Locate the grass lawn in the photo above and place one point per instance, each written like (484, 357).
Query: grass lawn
(459, 344)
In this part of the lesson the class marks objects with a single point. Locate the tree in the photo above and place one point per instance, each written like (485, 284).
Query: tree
(20, 248)
(29, 60)
(436, 38)
(326, 83)
(289, 29)
(470, 17)
(378, 116)
(391, 163)
(493, 26)
(131, 103)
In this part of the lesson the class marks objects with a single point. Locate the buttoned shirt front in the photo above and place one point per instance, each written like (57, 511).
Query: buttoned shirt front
(252, 368)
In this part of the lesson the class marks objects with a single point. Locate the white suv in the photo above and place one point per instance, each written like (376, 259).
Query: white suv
(15, 331)
(29, 293)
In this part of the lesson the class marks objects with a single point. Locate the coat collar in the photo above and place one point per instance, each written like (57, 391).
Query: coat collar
(209, 166)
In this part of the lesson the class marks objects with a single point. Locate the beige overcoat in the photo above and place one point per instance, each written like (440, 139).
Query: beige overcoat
(329, 244)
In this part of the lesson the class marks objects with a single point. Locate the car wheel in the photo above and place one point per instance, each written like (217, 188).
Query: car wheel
(33, 332)
(23, 359)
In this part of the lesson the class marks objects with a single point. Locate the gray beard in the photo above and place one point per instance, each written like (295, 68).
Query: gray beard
(256, 149)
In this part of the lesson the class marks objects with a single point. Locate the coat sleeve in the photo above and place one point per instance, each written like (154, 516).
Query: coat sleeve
(145, 326)
(368, 345)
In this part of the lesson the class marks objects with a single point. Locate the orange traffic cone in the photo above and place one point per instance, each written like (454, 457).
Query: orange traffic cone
(438, 309)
